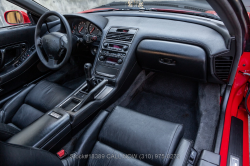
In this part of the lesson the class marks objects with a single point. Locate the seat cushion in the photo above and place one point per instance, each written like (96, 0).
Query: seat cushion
(7, 131)
(46, 95)
(114, 157)
(31, 103)
(25, 116)
(129, 132)
(42, 98)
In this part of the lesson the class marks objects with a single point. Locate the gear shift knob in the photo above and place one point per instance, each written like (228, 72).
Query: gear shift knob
(87, 70)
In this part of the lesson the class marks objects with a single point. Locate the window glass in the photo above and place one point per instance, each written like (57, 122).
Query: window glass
(6, 6)
(247, 4)
(75, 6)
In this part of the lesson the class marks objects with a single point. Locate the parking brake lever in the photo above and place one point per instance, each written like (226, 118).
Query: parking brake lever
(91, 95)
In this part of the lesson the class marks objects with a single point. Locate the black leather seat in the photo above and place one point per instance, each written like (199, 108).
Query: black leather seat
(122, 138)
(29, 105)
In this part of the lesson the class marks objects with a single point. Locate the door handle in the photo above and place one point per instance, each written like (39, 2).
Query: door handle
(167, 61)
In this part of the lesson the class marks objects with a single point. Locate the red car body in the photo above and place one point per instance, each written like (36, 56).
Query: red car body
(26, 19)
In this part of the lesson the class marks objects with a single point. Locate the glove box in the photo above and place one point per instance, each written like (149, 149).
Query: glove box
(172, 57)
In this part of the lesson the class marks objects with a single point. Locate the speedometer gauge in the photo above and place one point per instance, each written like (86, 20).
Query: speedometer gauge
(81, 27)
(93, 30)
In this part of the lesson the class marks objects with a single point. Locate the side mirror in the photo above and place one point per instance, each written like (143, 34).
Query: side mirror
(16, 17)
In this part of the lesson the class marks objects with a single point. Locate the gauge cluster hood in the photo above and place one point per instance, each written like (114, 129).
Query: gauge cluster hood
(98, 20)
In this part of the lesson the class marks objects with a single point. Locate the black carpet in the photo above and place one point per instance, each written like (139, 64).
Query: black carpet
(169, 98)
(75, 83)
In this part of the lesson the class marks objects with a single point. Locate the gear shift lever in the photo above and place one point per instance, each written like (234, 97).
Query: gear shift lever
(87, 70)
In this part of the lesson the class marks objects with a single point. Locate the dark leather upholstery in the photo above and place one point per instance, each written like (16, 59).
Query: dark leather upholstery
(16, 155)
(45, 132)
(32, 103)
(7, 131)
(122, 132)
(183, 151)
(129, 132)
(87, 141)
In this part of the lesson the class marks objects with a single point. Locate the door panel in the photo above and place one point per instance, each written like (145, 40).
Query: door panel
(21, 63)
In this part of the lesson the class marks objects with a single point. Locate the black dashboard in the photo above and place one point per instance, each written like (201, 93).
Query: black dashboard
(190, 46)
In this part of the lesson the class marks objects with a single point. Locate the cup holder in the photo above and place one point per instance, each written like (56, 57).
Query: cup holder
(71, 104)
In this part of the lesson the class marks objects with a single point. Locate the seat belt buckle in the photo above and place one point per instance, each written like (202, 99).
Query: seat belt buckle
(61, 154)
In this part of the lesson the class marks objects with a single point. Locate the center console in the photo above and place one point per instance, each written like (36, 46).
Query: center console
(114, 51)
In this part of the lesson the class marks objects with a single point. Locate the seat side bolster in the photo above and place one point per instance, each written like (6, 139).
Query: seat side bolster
(88, 139)
(10, 108)
(182, 153)
(7, 131)
(11, 154)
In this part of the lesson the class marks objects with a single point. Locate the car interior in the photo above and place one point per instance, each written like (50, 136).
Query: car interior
(128, 85)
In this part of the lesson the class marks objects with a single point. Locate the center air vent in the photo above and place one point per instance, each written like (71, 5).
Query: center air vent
(223, 67)
(126, 35)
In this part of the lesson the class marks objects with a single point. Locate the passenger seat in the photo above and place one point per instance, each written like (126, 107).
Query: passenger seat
(122, 137)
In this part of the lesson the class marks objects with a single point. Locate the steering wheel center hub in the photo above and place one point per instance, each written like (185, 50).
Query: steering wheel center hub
(51, 44)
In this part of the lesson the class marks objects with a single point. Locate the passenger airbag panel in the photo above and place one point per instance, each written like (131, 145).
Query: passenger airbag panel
(177, 58)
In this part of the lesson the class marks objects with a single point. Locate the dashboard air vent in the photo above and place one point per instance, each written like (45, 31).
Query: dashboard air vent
(120, 36)
(223, 67)
(126, 35)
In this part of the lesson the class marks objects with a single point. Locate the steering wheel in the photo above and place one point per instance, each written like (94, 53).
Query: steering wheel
(54, 44)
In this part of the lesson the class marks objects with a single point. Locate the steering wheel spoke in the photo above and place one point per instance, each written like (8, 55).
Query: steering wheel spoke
(39, 42)
(64, 42)
(52, 62)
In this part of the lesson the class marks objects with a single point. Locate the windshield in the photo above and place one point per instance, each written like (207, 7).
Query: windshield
(76, 6)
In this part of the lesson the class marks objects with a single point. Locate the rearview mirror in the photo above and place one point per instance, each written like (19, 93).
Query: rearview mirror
(15, 17)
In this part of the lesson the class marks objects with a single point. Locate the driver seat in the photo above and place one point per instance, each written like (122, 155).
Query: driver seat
(29, 105)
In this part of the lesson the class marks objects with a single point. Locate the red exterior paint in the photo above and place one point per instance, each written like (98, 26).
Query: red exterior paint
(243, 115)
(235, 99)
(26, 19)
(211, 12)
(173, 11)
(94, 10)
(214, 13)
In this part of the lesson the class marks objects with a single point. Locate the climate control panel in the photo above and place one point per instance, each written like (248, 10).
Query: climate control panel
(113, 54)
(112, 58)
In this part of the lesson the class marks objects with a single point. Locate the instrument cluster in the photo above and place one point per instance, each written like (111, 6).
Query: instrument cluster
(83, 27)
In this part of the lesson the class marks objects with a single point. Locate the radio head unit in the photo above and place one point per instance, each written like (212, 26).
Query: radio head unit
(115, 47)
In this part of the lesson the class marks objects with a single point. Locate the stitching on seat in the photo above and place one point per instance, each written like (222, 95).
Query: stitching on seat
(188, 150)
(12, 100)
(171, 142)
(32, 111)
(116, 150)
(6, 132)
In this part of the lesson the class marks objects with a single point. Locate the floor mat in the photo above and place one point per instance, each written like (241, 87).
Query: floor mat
(167, 109)
(169, 98)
